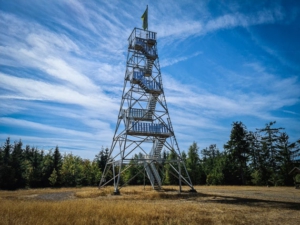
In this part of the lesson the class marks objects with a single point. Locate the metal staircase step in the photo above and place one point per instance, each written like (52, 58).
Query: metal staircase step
(152, 103)
(149, 66)
(155, 174)
(149, 174)
(149, 85)
(157, 147)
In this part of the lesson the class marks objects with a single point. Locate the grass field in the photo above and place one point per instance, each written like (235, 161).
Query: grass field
(136, 205)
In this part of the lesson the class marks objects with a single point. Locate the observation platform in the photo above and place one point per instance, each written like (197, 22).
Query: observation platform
(148, 37)
(148, 129)
(136, 114)
(143, 41)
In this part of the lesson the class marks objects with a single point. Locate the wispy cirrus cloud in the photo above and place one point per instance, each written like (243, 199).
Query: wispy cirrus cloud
(172, 61)
(66, 60)
(243, 20)
(180, 29)
(29, 89)
(41, 127)
(269, 93)
(290, 112)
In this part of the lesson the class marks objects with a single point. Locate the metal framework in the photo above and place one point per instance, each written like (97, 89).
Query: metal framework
(144, 126)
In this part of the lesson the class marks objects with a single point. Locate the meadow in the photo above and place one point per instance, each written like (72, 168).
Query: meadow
(142, 205)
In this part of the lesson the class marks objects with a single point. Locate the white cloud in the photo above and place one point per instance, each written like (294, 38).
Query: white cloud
(290, 112)
(185, 27)
(29, 89)
(78, 59)
(42, 127)
(238, 19)
(172, 61)
(273, 93)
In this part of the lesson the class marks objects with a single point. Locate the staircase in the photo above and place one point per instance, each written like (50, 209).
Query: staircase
(149, 66)
(149, 51)
(153, 175)
(141, 45)
(152, 103)
(149, 173)
(157, 147)
(157, 181)
(150, 86)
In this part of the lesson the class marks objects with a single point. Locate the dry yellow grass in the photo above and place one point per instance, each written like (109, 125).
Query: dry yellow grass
(211, 205)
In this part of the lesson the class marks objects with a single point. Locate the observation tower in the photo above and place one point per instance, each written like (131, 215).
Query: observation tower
(143, 126)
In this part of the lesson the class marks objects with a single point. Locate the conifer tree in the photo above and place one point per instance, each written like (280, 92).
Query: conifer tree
(193, 163)
(238, 151)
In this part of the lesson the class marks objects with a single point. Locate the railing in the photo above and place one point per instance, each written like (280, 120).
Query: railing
(152, 103)
(141, 44)
(149, 128)
(139, 33)
(149, 84)
(149, 173)
(140, 113)
(157, 147)
(156, 174)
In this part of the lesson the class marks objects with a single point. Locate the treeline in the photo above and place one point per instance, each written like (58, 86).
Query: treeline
(261, 157)
(32, 168)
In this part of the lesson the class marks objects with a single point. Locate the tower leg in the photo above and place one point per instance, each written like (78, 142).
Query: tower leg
(114, 176)
(179, 169)
(117, 191)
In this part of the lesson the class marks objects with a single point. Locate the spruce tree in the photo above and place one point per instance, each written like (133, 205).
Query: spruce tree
(238, 151)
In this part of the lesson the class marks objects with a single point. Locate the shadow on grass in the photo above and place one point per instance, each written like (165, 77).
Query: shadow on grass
(211, 198)
(254, 202)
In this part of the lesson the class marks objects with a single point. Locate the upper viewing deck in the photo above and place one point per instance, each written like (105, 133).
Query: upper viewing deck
(137, 33)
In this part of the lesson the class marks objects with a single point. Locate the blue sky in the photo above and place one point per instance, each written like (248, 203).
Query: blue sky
(62, 66)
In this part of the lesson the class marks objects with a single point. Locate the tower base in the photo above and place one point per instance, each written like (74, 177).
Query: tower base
(192, 190)
(116, 192)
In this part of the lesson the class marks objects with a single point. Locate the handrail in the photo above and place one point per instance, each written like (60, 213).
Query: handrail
(139, 113)
(149, 84)
(157, 128)
(156, 174)
(145, 34)
(149, 173)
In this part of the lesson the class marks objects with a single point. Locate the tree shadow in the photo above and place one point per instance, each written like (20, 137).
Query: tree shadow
(233, 200)
(255, 202)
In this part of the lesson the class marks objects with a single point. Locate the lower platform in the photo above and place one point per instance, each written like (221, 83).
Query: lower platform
(148, 133)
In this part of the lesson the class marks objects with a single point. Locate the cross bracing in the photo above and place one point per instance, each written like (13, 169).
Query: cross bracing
(144, 126)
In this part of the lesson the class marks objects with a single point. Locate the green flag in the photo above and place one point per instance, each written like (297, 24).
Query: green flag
(145, 19)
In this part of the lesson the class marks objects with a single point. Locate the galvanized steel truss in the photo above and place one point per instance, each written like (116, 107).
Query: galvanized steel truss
(144, 126)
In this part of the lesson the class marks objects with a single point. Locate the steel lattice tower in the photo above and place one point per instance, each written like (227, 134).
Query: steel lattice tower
(144, 126)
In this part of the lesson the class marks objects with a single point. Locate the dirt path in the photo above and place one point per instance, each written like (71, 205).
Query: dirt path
(58, 196)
